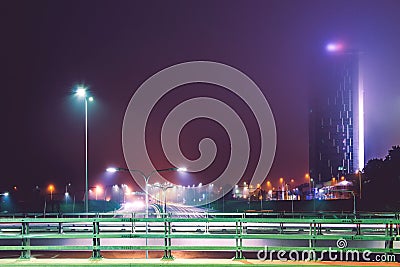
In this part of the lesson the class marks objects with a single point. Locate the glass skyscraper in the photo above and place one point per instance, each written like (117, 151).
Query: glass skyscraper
(336, 126)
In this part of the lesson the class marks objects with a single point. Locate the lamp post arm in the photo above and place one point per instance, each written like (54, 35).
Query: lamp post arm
(162, 170)
(132, 170)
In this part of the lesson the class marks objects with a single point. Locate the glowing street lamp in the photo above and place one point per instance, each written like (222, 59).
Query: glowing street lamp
(82, 93)
(66, 192)
(99, 190)
(111, 169)
(307, 176)
(51, 189)
(181, 169)
(281, 181)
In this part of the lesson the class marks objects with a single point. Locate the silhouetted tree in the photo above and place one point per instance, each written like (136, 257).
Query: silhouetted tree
(381, 181)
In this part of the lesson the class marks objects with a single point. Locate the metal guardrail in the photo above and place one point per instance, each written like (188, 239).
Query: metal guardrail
(169, 228)
(248, 213)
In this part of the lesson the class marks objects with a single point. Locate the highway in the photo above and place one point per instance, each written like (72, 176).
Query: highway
(156, 210)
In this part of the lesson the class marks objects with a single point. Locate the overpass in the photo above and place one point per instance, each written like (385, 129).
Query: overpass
(260, 235)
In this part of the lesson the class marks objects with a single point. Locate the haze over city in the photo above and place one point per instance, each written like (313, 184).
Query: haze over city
(49, 48)
(188, 133)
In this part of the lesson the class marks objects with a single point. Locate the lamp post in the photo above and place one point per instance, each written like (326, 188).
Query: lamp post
(66, 192)
(360, 182)
(308, 178)
(51, 189)
(164, 187)
(281, 181)
(66, 188)
(81, 92)
(146, 180)
(99, 190)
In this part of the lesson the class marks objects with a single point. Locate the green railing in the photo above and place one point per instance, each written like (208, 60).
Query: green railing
(240, 232)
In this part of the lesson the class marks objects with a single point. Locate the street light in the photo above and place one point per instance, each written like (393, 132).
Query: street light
(51, 189)
(281, 181)
(164, 187)
(358, 172)
(307, 176)
(146, 180)
(99, 190)
(66, 192)
(82, 93)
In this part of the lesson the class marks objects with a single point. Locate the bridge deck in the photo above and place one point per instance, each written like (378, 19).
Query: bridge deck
(179, 262)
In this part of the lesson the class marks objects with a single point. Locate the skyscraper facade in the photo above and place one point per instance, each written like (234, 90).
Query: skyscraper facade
(336, 126)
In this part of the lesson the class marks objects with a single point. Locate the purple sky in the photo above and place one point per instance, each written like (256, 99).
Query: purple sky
(47, 47)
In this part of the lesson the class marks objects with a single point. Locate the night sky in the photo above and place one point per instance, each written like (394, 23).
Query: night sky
(48, 47)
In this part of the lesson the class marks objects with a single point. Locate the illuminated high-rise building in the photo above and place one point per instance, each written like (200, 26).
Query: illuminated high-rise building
(336, 125)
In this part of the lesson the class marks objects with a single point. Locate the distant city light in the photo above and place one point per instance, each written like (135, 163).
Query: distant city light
(334, 47)
(99, 189)
(344, 183)
(128, 190)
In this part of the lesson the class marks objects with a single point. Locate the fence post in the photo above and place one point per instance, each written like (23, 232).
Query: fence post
(389, 233)
(26, 241)
(60, 228)
(96, 240)
(167, 239)
(312, 241)
(239, 240)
